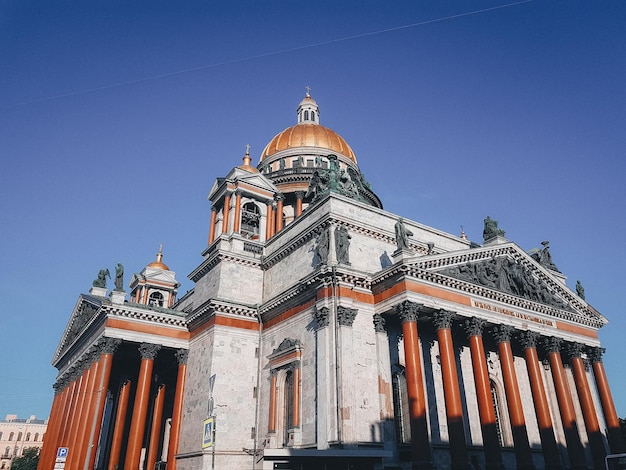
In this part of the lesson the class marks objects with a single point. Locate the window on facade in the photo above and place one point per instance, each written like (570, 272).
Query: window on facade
(0, 435)
(156, 298)
(312, 115)
(401, 408)
(19, 437)
(28, 436)
(250, 220)
(11, 437)
(288, 404)
(306, 115)
(496, 407)
(7, 451)
(36, 436)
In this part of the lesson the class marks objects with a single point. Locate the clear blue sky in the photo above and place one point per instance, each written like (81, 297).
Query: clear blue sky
(116, 117)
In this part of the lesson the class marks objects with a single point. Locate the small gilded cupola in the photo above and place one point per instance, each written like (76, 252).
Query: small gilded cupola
(156, 285)
(308, 111)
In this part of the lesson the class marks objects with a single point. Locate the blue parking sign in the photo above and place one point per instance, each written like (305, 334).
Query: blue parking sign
(62, 452)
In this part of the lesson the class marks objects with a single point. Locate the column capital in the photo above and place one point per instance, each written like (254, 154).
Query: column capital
(278, 197)
(503, 333)
(181, 356)
(442, 319)
(299, 194)
(346, 316)
(109, 345)
(238, 192)
(575, 350)
(379, 323)
(529, 339)
(321, 316)
(408, 311)
(474, 326)
(213, 209)
(552, 344)
(149, 350)
(595, 354)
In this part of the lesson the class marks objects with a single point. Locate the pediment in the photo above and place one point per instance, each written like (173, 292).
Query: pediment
(239, 176)
(85, 311)
(507, 274)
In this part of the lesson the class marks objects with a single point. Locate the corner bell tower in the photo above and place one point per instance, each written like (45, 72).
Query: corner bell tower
(156, 285)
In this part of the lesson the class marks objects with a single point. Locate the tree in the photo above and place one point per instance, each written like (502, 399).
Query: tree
(28, 460)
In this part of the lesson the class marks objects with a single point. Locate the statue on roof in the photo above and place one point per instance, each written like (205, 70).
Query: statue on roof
(580, 290)
(101, 280)
(402, 235)
(491, 229)
(119, 277)
(544, 258)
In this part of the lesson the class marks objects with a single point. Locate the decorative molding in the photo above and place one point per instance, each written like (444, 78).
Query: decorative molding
(346, 316)
(575, 350)
(286, 345)
(109, 345)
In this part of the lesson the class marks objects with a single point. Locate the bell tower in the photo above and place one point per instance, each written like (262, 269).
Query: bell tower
(156, 285)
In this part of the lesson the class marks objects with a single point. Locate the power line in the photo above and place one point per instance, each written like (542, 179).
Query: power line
(266, 54)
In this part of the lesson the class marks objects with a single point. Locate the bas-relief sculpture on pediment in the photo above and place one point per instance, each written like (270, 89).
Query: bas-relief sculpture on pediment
(507, 275)
(83, 313)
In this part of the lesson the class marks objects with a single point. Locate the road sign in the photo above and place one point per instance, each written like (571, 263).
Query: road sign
(62, 453)
(207, 434)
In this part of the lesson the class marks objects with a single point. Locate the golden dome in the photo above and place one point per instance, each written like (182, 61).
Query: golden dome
(307, 134)
(159, 264)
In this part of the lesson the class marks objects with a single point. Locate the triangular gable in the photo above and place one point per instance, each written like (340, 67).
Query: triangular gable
(85, 310)
(238, 175)
(506, 273)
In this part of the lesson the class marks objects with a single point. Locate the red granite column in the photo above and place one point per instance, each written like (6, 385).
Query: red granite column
(566, 406)
(592, 426)
(80, 450)
(51, 432)
(523, 455)
(140, 406)
(155, 429)
(120, 421)
(237, 221)
(299, 197)
(491, 443)
(279, 213)
(109, 345)
(70, 404)
(212, 224)
(269, 220)
(616, 439)
(442, 320)
(75, 429)
(177, 411)
(540, 400)
(225, 213)
(408, 312)
(296, 394)
(271, 426)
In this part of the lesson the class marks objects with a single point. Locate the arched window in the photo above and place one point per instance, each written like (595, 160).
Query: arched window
(288, 406)
(306, 115)
(11, 436)
(7, 450)
(156, 298)
(28, 436)
(250, 220)
(36, 436)
(401, 407)
(313, 116)
(496, 407)
(0, 435)
(19, 436)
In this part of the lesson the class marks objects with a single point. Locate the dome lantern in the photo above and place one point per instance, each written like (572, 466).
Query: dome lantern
(308, 111)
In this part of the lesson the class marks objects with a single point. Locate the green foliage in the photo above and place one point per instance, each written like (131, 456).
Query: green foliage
(28, 460)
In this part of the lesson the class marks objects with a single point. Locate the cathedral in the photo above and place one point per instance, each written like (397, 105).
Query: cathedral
(323, 332)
